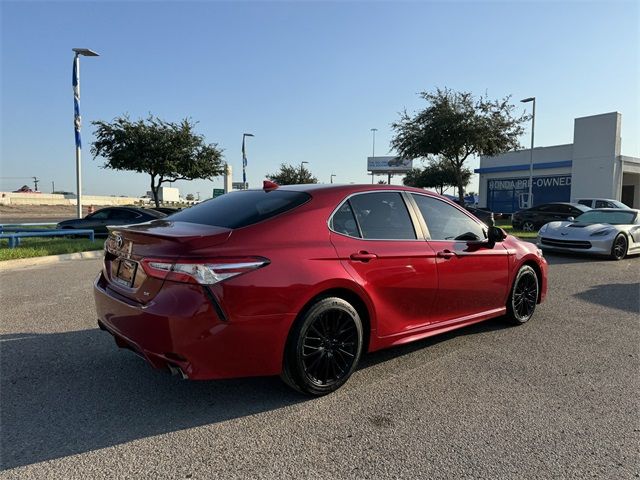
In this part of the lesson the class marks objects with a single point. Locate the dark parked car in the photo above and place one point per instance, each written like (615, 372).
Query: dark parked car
(166, 210)
(99, 220)
(302, 280)
(483, 215)
(531, 219)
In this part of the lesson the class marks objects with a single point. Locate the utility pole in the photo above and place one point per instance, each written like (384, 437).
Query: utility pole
(533, 127)
(35, 182)
(53, 186)
(373, 153)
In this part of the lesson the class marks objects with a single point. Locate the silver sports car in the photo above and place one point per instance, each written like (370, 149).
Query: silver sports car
(603, 231)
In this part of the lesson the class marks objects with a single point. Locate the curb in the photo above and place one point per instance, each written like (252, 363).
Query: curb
(33, 261)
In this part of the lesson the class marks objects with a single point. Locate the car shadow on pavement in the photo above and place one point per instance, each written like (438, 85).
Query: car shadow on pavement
(621, 296)
(381, 356)
(69, 393)
(560, 258)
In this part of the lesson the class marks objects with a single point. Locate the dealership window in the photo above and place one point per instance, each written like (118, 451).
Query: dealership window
(383, 216)
(445, 222)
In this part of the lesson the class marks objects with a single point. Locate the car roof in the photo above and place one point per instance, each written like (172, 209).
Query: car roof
(320, 188)
(597, 198)
(615, 210)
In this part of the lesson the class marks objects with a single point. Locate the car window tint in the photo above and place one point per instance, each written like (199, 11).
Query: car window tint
(445, 222)
(603, 204)
(343, 221)
(101, 214)
(564, 209)
(383, 216)
(585, 202)
(542, 208)
(242, 208)
(123, 215)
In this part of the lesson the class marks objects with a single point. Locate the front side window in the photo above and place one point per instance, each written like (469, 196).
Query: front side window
(382, 216)
(446, 222)
(123, 215)
(100, 214)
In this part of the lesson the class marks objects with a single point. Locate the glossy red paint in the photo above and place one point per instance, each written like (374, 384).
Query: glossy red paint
(404, 289)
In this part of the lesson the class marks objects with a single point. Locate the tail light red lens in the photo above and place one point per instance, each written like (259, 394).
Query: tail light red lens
(205, 272)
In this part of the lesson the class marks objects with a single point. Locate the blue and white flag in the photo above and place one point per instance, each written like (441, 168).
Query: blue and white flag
(77, 121)
(244, 163)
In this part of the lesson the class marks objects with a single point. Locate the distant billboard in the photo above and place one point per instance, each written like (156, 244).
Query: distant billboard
(389, 164)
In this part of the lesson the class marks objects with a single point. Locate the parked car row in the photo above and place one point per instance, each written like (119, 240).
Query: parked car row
(610, 228)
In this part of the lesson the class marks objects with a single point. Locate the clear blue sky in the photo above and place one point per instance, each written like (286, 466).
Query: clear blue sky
(309, 79)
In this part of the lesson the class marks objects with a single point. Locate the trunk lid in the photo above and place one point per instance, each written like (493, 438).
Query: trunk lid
(126, 246)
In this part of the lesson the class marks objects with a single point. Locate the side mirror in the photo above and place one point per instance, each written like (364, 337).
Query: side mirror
(571, 219)
(496, 234)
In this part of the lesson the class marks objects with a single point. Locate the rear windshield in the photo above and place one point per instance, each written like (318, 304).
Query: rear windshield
(239, 209)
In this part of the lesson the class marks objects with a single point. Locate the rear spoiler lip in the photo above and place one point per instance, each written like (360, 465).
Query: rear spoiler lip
(164, 229)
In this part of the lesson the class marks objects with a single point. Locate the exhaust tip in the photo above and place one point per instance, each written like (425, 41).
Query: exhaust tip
(175, 370)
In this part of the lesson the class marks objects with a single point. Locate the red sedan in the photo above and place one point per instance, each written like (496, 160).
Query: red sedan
(301, 280)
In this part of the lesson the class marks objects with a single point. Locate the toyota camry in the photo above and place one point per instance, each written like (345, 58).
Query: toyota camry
(300, 281)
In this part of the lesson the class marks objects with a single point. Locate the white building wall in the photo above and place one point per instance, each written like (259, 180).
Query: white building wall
(556, 153)
(596, 148)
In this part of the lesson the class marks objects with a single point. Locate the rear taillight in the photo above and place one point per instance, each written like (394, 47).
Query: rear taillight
(204, 272)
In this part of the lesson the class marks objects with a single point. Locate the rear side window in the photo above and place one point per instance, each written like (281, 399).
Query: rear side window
(343, 221)
(123, 215)
(240, 209)
(383, 216)
(585, 202)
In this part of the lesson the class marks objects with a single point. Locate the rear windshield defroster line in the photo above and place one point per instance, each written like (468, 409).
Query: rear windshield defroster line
(240, 209)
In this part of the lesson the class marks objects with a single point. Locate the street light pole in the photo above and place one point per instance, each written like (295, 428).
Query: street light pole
(302, 168)
(373, 153)
(244, 160)
(77, 121)
(533, 127)
(331, 179)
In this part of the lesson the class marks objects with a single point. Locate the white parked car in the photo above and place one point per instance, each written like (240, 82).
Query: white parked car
(601, 203)
(606, 231)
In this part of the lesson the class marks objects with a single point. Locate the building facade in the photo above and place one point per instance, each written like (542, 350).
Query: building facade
(590, 167)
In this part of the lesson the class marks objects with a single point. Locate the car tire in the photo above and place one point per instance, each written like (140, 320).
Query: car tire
(523, 296)
(528, 227)
(619, 247)
(323, 348)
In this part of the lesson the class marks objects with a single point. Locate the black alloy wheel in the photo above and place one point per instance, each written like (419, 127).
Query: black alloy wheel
(324, 347)
(524, 296)
(619, 247)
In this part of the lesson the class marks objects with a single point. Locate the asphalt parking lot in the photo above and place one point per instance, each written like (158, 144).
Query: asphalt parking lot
(556, 398)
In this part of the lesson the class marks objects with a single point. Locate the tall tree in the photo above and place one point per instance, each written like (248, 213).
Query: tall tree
(292, 175)
(455, 126)
(166, 151)
(437, 174)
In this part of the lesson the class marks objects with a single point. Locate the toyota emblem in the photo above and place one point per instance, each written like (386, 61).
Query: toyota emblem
(119, 242)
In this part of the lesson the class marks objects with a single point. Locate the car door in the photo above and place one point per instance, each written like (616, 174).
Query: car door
(381, 246)
(97, 221)
(473, 276)
(123, 216)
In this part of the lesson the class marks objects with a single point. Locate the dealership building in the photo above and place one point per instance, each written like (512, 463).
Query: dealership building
(590, 167)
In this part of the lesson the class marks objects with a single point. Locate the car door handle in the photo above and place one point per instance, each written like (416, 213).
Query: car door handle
(363, 256)
(445, 254)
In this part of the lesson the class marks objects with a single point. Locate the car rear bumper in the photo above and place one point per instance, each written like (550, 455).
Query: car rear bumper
(180, 328)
